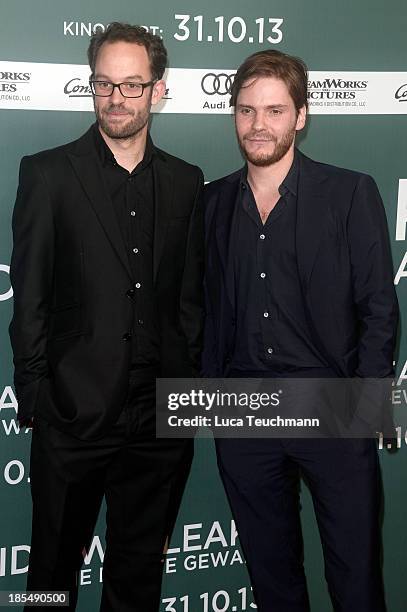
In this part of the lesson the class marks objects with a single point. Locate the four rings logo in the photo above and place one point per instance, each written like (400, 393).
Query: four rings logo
(401, 93)
(220, 84)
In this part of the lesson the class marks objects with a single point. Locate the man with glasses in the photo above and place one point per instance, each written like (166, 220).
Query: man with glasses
(107, 277)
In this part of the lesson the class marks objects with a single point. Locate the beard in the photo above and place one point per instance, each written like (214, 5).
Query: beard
(261, 159)
(136, 121)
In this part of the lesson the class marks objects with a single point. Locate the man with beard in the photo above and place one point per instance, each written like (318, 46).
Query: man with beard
(299, 285)
(107, 274)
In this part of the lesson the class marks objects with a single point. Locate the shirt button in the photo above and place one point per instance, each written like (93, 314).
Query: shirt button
(270, 350)
(265, 315)
(130, 293)
(126, 337)
(140, 322)
(263, 275)
(262, 236)
(133, 213)
(137, 285)
(135, 250)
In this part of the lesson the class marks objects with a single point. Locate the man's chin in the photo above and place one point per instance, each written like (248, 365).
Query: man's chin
(263, 160)
(119, 135)
(119, 132)
(257, 160)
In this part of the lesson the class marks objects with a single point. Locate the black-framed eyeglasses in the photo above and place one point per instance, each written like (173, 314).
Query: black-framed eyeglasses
(128, 90)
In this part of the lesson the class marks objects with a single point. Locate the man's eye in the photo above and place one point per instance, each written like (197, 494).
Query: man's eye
(132, 85)
(103, 84)
(245, 111)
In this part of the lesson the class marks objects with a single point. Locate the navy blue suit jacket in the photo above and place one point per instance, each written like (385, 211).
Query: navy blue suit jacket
(344, 265)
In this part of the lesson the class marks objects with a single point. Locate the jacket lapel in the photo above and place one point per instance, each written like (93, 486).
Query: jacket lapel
(88, 170)
(224, 230)
(312, 214)
(163, 204)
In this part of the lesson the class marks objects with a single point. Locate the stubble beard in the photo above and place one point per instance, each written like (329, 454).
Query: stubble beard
(130, 128)
(281, 147)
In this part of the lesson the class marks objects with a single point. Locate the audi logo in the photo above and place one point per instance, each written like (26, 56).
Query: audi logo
(220, 84)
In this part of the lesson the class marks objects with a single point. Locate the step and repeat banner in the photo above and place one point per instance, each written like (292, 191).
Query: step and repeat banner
(358, 119)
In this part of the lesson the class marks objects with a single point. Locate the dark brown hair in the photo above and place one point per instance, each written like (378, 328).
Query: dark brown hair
(124, 32)
(272, 63)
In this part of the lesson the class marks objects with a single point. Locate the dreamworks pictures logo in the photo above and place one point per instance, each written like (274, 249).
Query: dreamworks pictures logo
(13, 85)
(337, 91)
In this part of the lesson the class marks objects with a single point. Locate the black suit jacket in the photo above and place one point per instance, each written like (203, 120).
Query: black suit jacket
(70, 274)
(344, 265)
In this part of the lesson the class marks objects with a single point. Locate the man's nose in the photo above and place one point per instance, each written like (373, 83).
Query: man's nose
(259, 121)
(116, 96)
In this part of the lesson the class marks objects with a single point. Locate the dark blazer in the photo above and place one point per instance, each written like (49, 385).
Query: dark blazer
(70, 274)
(344, 265)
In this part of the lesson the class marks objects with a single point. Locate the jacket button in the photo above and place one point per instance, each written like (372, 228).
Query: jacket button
(130, 293)
(126, 336)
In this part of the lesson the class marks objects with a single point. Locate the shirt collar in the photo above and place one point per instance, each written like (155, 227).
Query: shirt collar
(106, 156)
(289, 184)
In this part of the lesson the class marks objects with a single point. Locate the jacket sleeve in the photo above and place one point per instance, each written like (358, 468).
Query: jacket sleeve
(372, 280)
(210, 365)
(210, 360)
(376, 307)
(192, 299)
(31, 273)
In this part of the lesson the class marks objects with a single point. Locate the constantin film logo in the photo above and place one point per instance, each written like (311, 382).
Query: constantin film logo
(337, 91)
(216, 84)
(401, 93)
(13, 85)
(79, 88)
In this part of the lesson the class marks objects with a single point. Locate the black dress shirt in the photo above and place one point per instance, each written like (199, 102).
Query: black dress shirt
(272, 333)
(132, 195)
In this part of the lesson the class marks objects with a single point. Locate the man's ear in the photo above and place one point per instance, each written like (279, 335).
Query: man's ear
(158, 91)
(301, 118)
